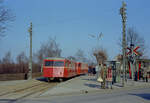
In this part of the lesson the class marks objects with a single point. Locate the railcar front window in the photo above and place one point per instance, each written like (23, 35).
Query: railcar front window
(58, 63)
(54, 63)
(48, 63)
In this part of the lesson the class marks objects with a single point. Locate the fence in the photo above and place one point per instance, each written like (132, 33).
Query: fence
(11, 68)
(17, 76)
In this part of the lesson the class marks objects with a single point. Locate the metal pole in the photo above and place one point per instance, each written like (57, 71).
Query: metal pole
(132, 62)
(30, 61)
(123, 14)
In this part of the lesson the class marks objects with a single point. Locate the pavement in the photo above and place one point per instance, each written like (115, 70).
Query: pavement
(88, 84)
(12, 82)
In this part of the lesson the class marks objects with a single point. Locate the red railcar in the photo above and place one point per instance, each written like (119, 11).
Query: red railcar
(61, 68)
(82, 68)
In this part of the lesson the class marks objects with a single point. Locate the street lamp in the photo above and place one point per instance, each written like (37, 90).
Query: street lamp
(98, 37)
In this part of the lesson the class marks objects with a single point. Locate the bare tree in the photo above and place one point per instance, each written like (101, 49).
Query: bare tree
(101, 55)
(119, 58)
(22, 63)
(22, 58)
(7, 63)
(91, 59)
(80, 56)
(5, 17)
(49, 49)
(71, 58)
(7, 58)
(134, 38)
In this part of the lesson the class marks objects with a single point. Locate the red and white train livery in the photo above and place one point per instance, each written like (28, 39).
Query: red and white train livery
(61, 68)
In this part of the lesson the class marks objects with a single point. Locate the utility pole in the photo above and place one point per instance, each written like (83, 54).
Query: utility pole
(30, 61)
(123, 15)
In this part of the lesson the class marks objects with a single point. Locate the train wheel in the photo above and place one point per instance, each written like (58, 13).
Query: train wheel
(60, 79)
(48, 79)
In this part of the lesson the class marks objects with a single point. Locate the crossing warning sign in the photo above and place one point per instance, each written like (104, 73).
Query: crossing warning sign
(133, 50)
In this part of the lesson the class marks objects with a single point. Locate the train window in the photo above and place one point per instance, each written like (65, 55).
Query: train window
(79, 65)
(70, 65)
(66, 64)
(48, 63)
(58, 63)
(54, 63)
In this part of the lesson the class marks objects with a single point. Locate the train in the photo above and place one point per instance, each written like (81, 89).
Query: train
(62, 68)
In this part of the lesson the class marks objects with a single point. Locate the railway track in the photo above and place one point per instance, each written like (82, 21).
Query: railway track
(26, 90)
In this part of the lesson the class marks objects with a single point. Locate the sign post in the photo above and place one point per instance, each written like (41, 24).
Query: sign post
(132, 58)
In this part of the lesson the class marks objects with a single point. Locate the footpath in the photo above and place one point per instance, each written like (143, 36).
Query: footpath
(88, 84)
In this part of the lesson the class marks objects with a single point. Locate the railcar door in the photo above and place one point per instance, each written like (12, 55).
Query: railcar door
(79, 69)
(48, 68)
(66, 69)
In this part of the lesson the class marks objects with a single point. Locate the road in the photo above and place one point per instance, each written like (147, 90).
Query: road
(130, 96)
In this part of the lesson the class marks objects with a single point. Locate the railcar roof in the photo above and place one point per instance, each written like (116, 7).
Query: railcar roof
(55, 58)
(60, 58)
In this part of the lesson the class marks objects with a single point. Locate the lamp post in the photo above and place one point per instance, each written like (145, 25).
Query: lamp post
(123, 15)
(97, 37)
(99, 63)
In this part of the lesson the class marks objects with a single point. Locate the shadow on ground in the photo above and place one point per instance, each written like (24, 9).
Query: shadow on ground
(117, 85)
(8, 100)
(42, 79)
(92, 85)
(143, 95)
(90, 79)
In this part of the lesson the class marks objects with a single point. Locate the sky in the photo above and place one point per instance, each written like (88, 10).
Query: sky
(71, 22)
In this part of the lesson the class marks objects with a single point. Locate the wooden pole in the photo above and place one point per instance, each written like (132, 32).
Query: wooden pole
(30, 61)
